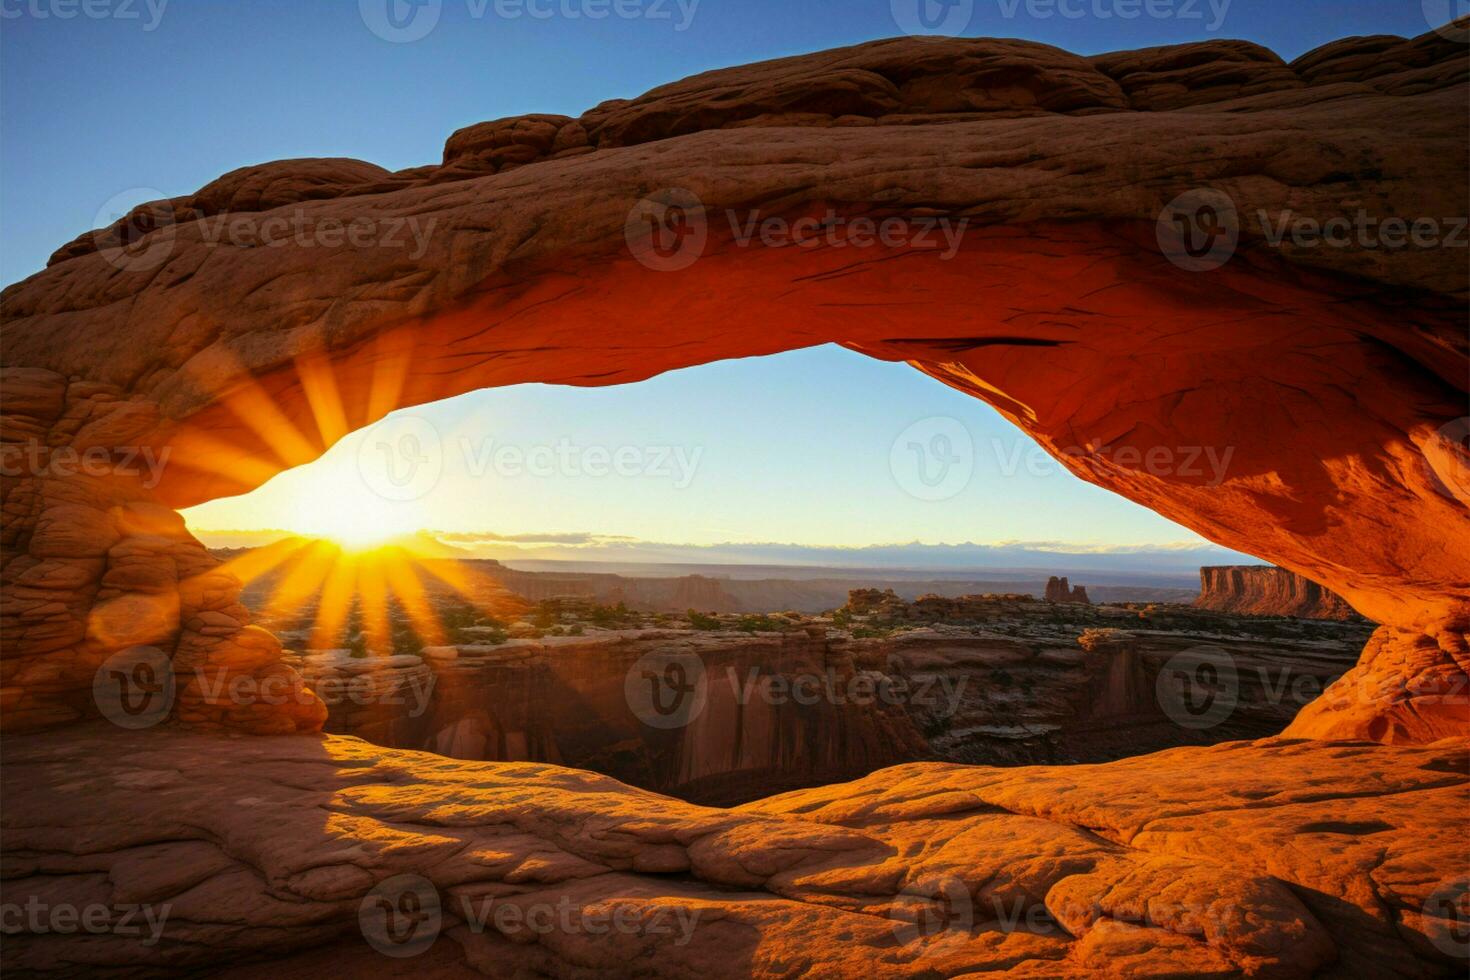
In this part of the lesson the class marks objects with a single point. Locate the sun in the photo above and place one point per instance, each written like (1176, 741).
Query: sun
(352, 551)
(349, 512)
(338, 506)
(357, 521)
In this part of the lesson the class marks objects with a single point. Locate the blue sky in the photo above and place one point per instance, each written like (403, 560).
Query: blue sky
(140, 100)
(95, 107)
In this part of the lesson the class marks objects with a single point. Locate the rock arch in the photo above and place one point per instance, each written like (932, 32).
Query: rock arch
(214, 327)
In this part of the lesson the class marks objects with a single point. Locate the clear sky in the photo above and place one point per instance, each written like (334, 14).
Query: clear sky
(106, 103)
(798, 447)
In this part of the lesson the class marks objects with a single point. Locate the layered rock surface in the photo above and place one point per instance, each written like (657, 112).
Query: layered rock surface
(1262, 590)
(1328, 383)
(93, 565)
(1270, 859)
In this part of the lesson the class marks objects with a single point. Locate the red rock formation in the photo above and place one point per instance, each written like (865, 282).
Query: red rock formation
(1328, 383)
(1262, 590)
(1323, 379)
(1059, 590)
(94, 566)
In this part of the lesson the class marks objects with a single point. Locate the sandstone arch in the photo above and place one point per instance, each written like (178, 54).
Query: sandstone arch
(212, 325)
(1277, 858)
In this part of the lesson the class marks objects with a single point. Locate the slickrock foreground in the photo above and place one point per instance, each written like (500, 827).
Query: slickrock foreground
(1277, 858)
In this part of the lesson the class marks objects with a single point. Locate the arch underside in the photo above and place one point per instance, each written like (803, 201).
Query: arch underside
(1081, 334)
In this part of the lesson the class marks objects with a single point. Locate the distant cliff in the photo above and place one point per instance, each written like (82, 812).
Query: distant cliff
(1265, 590)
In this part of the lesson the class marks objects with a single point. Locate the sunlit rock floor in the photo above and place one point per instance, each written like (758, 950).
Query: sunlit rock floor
(288, 855)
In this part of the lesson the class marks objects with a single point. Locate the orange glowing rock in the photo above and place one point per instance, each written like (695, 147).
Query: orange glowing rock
(1301, 403)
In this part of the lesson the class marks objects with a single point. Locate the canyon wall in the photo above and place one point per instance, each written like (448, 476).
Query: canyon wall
(1263, 590)
(566, 700)
(840, 706)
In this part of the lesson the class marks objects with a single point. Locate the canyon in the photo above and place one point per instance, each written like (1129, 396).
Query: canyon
(990, 679)
(804, 702)
(1335, 378)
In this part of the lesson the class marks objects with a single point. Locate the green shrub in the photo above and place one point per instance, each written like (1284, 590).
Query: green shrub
(702, 622)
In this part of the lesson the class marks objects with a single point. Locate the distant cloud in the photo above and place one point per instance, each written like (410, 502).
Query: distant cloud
(588, 546)
(572, 537)
(237, 538)
(1180, 557)
(1076, 548)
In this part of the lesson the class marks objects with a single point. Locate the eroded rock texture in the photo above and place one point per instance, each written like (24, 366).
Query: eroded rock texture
(1268, 859)
(93, 564)
(1260, 590)
(1300, 402)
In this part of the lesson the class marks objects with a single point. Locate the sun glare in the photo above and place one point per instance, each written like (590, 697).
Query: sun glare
(354, 520)
(356, 552)
(350, 513)
(339, 581)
